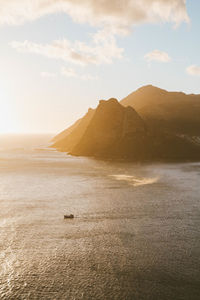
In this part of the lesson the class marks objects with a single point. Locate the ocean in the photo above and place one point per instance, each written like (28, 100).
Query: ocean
(135, 235)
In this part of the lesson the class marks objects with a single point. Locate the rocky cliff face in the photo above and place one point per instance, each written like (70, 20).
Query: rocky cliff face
(114, 130)
(111, 130)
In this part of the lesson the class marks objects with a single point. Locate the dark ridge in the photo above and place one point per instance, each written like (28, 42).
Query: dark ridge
(149, 124)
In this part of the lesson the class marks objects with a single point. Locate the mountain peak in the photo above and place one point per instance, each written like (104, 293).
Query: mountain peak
(150, 123)
(150, 88)
(147, 86)
(111, 127)
(109, 101)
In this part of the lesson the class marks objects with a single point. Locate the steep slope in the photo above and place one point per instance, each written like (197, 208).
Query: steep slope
(164, 126)
(67, 139)
(63, 134)
(114, 131)
(172, 111)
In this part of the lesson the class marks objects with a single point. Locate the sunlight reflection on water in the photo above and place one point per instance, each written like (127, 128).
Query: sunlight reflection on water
(134, 180)
(135, 234)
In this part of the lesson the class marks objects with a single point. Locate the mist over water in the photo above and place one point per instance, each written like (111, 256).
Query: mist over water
(136, 232)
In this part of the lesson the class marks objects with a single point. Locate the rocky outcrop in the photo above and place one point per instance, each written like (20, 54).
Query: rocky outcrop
(111, 131)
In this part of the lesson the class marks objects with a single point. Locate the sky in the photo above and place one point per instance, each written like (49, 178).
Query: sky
(60, 57)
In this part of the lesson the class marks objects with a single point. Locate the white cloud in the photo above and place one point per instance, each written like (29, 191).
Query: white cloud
(48, 74)
(111, 17)
(157, 55)
(193, 70)
(69, 72)
(102, 49)
(58, 49)
(118, 15)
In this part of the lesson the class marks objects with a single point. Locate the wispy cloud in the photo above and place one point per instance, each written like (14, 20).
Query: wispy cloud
(193, 70)
(102, 49)
(58, 49)
(157, 55)
(118, 15)
(69, 72)
(113, 17)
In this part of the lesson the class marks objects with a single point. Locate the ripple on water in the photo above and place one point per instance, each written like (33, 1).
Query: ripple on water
(124, 243)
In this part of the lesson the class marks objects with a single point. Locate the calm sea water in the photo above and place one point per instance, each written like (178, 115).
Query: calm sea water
(136, 232)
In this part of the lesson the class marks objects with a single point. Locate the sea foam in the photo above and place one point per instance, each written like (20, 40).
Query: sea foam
(135, 181)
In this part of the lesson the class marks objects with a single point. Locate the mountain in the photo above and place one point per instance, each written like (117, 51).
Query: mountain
(116, 131)
(63, 134)
(173, 111)
(67, 139)
(150, 124)
(112, 132)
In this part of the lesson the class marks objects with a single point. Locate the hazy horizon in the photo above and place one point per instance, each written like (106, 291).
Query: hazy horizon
(53, 133)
